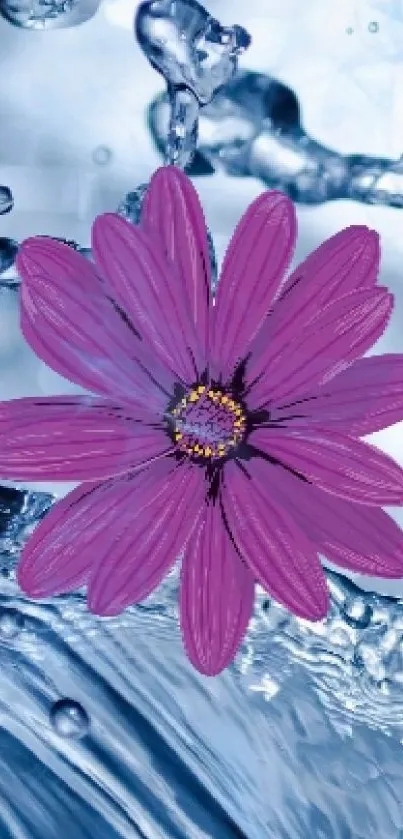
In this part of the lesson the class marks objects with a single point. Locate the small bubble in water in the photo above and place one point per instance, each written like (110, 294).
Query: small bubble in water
(6, 200)
(373, 26)
(11, 623)
(357, 612)
(69, 719)
(102, 155)
(8, 252)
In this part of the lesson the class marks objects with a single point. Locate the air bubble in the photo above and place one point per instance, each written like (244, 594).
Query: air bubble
(102, 155)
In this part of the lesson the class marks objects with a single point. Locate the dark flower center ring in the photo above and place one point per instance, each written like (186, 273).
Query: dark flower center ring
(207, 423)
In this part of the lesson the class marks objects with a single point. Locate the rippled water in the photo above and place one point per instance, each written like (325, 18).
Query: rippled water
(107, 731)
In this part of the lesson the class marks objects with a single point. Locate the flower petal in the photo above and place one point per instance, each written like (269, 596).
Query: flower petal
(172, 214)
(216, 596)
(70, 324)
(62, 548)
(254, 265)
(365, 398)
(335, 463)
(343, 332)
(147, 286)
(278, 553)
(82, 530)
(347, 262)
(73, 438)
(364, 539)
(164, 513)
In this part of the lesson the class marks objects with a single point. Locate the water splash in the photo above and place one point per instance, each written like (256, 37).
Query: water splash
(47, 14)
(6, 200)
(352, 656)
(122, 737)
(253, 128)
(196, 55)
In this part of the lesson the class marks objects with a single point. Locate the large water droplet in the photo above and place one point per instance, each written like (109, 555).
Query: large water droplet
(188, 47)
(11, 623)
(6, 200)
(69, 719)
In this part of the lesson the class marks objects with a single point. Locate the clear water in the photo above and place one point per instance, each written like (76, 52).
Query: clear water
(105, 729)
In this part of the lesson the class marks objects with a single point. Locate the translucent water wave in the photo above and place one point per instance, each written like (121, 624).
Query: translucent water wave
(107, 730)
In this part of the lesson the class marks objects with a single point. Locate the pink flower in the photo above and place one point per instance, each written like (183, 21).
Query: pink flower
(228, 431)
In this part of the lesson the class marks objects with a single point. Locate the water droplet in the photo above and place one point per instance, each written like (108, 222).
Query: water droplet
(130, 208)
(8, 252)
(202, 68)
(69, 719)
(357, 612)
(42, 14)
(213, 261)
(102, 155)
(373, 26)
(6, 200)
(11, 623)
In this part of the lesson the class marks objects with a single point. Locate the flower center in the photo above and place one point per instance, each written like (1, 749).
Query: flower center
(208, 423)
